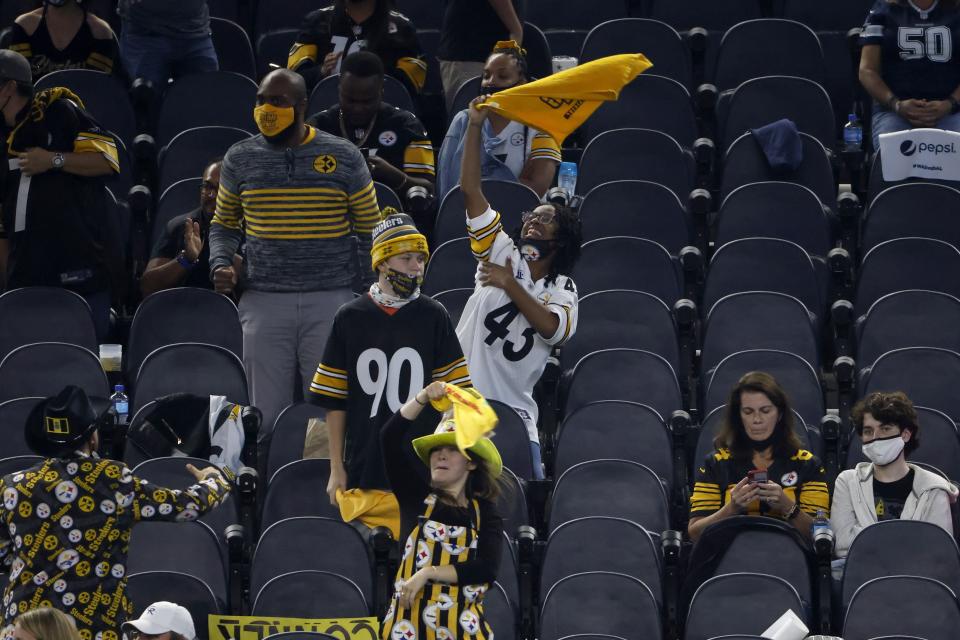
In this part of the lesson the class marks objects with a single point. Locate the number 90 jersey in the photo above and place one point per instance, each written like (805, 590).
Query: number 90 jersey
(505, 353)
(916, 48)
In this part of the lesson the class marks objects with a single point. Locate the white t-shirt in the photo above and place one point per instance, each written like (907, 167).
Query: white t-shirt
(505, 353)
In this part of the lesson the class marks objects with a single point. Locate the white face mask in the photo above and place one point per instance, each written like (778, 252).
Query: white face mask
(883, 451)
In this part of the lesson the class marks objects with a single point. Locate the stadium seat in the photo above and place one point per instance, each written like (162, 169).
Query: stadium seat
(601, 544)
(630, 491)
(454, 300)
(764, 264)
(539, 58)
(512, 440)
(661, 43)
(907, 605)
(624, 374)
(326, 94)
(424, 15)
(753, 48)
(467, 91)
(907, 263)
(288, 434)
(940, 448)
(499, 612)
(285, 495)
(191, 367)
(823, 15)
(234, 51)
(925, 374)
(44, 314)
(190, 151)
(323, 544)
(713, 421)
(182, 314)
(288, 14)
(649, 102)
(636, 208)
(876, 184)
(565, 42)
(13, 417)
(179, 198)
(186, 547)
(568, 14)
(103, 95)
(451, 266)
(750, 603)
(430, 43)
(387, 197)
(510, 199)
(797, 377)
(615, 429)
(310, 594)
(633, 263)
(226, 9)
(684, 14)
(622, 318)
(45, 368)
(119, 183)
(930, 206)
(273, 48)
(15, 463)
(774, 321)
(507, 571)
(760, 101)
(636, 154)
(204, 99)
(512, 503)
(932, 553)
(914, 318)
(600, 602)
(744, 162)
(190, 592)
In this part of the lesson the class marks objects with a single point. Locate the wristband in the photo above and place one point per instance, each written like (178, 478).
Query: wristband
(793, 513)
(416, 399)
(183, 262)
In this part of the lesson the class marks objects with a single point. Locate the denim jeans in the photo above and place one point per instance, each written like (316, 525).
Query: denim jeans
(158, 58)
(889, 122)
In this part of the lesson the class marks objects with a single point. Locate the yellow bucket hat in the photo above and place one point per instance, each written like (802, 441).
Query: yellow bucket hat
(473, 418)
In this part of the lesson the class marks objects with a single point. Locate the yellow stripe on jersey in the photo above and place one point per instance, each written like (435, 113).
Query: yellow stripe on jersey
(106, 146)
(544, 147)
(329, 381)
(100, 62)
(454, 373)
(418, 158)
(415, 69)
(705, 497)
(23, 48)
(300, 53)
(481, 240)
(227, 211)
(815, 496)
(364, 209)
(566, 327)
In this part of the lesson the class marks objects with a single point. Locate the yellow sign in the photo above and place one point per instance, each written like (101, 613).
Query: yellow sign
(57, 426)
(259, 627)
(325, 164)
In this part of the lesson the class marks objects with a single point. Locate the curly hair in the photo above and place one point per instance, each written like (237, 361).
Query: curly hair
(733, 434)
(889, 407)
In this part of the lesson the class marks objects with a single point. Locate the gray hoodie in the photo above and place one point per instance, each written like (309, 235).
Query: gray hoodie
(853, 505)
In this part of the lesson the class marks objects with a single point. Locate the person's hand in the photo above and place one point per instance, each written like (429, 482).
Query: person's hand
(516, 37)
(913, 111)
(203, 474)
(330, 62)
(224, 280)
(495, 275)
(743, 494)
(35, 161)
(477, 116)
(410, 588)
(383, 171)
(338, 480)
(934, 110)
(192, 241)
(434, 391)
(772, 494)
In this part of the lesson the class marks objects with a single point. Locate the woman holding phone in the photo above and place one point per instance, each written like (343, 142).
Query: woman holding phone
(759, 466)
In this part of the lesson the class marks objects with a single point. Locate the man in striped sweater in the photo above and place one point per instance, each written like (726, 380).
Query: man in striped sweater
(304, 202)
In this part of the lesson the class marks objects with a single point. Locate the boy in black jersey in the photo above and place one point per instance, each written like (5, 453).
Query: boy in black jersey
(385, 346)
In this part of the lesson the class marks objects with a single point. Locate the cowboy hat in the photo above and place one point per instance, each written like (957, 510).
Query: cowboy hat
(63, 422)
(446, 435)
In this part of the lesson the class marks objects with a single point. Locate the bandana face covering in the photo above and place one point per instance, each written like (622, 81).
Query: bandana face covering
(883, 451)
(533, 249)
(273, 121)
(404, 286)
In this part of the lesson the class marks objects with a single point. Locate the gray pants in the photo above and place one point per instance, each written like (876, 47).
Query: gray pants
(455, 73)
(283, 331)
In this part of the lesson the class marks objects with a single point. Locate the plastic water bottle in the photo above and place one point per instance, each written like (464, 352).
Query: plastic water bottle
(120, 404)
(567, 179)
(852, 134)
(822, 534)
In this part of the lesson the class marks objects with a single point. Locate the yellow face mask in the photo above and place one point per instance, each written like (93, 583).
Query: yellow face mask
(271, 120)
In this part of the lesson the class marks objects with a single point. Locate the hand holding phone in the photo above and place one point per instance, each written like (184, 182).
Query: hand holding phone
(757, 476)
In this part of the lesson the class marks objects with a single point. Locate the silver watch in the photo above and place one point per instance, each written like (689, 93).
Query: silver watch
(58, 161)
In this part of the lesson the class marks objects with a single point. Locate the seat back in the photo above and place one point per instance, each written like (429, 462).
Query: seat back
(751, 602)
(104, 96)
(45, 314)
(192, 593)
(45, 368)
(649, 101)
(500, 613)
(744, 162)
(911, 605)
(713, 422)
(636, 208)
(190, 151)
(636, 154)
(180, 197)
(925, 374)
(190, 367)
(684, 14)
(907, 263)
(327, 93)
(841, 16)
(286, 499)
(203, 99)
(454, 300)
(661, 42)
(509, 199)
(624, 374)
(289, 435)
(930, 208)
(451, 266)
(310, 594)
(625, 262)
(569, 14)
(234, 51)
(749, 50)
(512, 440)
(599, 602)
(14, 464)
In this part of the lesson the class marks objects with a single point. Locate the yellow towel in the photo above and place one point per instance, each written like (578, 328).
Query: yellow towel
(372, 507)
(473, 416)
(560, 103)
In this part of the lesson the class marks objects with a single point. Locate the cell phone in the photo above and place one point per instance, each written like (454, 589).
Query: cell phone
(757, 476)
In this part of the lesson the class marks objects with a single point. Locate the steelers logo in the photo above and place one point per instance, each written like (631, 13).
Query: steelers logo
(789, 479)
(109, 635)
(186, 515)
(444, 602)
(424, 555)
(75, 536)
(50, 543)
(124, 500)
(165, 509)
(108, 507)
(84, 597)
(472, 592)
(68, 599)
(112, 471)
(117, 571)
(86, 504)
(443, 633)
(17, 542)
(72, 468)
(17, 477)
(325, 164)
(86, 467)
(25, 509)
(66, 522)
(90, 535)
(403, 630)
(40, 578)
(529, 253)
(83, 570)
(113, 535)
(388, 139)
(28, 539)
(16, 568)
(66, 492)
(436, 531)
(454, 549)
(9, 498)
(455, 532)
(469, 622)
(102, 569)
(159, 495)
(43, 510)
(147, 511)
(60, 585)
(516, 139)
(126, 475)
(50, 476)
(12, 611)
(430, 616)
(84, 634)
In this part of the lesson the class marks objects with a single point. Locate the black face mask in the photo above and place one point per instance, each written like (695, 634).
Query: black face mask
(533, 249)
(403, 285)
(489, 88)
(55, 3)
(760, 445)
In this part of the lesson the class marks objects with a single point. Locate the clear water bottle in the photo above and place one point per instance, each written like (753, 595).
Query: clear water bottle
(852, 134)
(822, 534)
(567, 179)
(120, 404)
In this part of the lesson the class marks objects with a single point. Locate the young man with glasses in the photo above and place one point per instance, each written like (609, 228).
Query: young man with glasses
(523, 305)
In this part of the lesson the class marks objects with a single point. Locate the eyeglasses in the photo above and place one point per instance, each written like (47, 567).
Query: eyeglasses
(543, 217)
(136, 634)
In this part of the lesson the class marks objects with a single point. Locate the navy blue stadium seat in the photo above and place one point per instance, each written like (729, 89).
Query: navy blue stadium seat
(499, 612)
(876, 184)
(512, 440)
(234, 51)
(15, 463)
(684, 14)
(310, 594)
(507, 571)
(192, 593)
(636, 208)
(454, 300)
(823, 15)
(925, 374)
(661, 43)
(288, 434)
(451, 266)
(914, 209)
(539, 57)
(467, 91)
(190, 151)
(179, 198)
(103, 95)
(744, 162)
(13, 417)
(907, 263)
(203, 99)
(649, 102)
(565, 42)
(45, 368)
(750, 603)
(914, 318)
(424, 15)
(911, 605)
(570, 14)
(288, 14)
(273, 48)
(753, 48)
(190, 367)
(508, 198)
(387, 197)
(286, 499)
(226, 9)
(600, 602)
(512, 504)
(633, 263)
(636, 154)
(44, 314)
(326, 94)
